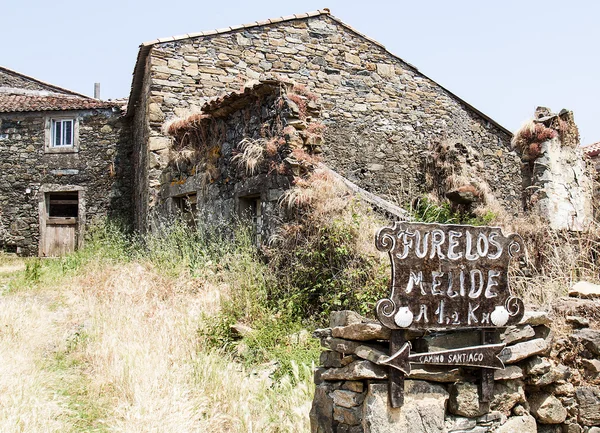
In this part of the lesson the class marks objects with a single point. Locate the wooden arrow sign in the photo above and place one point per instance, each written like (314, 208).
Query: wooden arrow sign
(477, 356)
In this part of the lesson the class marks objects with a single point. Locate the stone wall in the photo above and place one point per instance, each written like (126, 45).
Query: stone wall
(381, 113)
(101, 167)
(549, 383)
(142, 152)
(244, 149)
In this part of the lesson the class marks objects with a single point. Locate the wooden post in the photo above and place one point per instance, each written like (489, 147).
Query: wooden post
(486, 388)
(396, 377)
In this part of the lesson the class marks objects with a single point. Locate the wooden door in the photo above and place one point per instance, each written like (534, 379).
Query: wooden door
(60, 223)
(60, 236)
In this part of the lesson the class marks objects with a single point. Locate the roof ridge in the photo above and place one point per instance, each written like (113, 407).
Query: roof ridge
(324, 11)
(61, 89)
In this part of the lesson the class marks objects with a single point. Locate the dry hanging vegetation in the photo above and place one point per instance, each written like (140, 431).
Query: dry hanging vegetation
(197, 147)
(528, 140)
(285, 142)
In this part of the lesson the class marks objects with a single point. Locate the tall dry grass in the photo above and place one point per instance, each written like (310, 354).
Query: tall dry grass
(117, 349)
(555, 260)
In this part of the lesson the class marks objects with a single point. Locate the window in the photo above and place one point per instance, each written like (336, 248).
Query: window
(187, 208)
(62, 133)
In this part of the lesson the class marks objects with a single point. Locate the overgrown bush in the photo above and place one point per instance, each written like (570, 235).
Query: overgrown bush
(325, 260)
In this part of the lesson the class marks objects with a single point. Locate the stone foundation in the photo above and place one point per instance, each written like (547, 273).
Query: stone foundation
(535, 391)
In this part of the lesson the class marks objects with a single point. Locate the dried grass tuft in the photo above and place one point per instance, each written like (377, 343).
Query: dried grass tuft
(532, 133)
(251, 154)
(178, 127)
(321, 190)
(555, 261)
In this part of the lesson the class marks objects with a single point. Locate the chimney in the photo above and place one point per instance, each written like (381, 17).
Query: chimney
(96, 90)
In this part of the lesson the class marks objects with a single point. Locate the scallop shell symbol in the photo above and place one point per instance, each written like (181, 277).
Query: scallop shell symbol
(403, 317)
(499, 316)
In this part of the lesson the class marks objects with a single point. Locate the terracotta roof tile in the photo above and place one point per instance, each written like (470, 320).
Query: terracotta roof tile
(52, 102)
(592, 149)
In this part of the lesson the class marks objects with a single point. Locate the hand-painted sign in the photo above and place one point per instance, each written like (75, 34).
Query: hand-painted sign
(448, 277)
(477, 356)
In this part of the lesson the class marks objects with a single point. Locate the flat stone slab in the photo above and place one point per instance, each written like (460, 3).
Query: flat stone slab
(432, 374)
(588, 398)
(585, 289)
(509, 373)
(535, 318)
(357, 370)
(372, 353)
(516, 334)
(588, 308)
(578, 321)
(537, 365)
(362, 332)
(590, 338)
(345, 318)
(520, 351)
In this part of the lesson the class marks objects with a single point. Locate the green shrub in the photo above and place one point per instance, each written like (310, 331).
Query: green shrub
(329, 263)
(427, 211)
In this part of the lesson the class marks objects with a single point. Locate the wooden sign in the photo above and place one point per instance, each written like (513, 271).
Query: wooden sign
(485, 356)
(448, 277)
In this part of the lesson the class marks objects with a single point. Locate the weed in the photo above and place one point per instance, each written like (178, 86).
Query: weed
(33, 271)
(426, 210)
(251, 155)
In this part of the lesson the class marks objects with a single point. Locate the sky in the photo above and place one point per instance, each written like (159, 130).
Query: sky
(504, 57)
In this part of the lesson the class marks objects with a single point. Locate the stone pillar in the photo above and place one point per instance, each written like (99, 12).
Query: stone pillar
(556, 183)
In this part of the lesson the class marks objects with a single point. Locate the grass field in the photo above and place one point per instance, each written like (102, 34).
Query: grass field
(113, 346)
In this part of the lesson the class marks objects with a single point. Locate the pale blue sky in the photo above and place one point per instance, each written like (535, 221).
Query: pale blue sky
(505, 58)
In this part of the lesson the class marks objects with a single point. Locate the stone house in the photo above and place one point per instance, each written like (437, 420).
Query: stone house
(65, 162)
(299, 86)
(383, 119)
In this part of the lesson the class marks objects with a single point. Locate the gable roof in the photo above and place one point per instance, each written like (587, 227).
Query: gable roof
(26, 94)
(49, 87)
(140, 64)
(10, 102)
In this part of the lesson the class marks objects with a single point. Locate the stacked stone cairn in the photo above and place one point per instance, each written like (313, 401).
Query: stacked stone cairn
(535, 392)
